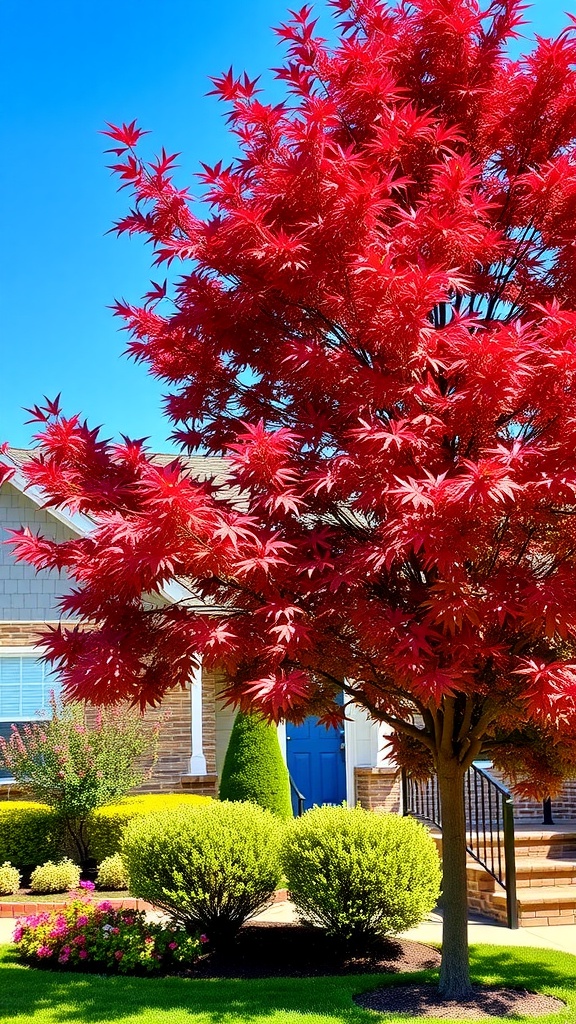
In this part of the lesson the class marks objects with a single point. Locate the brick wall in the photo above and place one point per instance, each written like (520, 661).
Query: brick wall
(21, 634)
(378, 789)
(563, 806)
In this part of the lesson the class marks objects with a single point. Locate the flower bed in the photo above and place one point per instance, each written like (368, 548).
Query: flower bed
(87, 934)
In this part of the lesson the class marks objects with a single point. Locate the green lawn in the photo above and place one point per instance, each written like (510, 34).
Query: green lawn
(29, 996)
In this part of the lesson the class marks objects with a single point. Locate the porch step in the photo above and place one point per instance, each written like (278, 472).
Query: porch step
(532, 872)
(546, 905)
(545, 876)
(554, 841)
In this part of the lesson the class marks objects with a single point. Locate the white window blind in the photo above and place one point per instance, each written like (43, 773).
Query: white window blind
(25, 687)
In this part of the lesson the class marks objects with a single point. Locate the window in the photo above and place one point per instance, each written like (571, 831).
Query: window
(25, 687)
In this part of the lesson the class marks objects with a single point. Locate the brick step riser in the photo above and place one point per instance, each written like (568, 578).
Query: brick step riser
(485, 897)
(542, 917)
(538, 881)
(526, 848)
(554, 851)
(486, 883)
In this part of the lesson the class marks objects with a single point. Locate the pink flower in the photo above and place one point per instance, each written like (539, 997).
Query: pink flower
(115, 931)
(204, 938)
(63, 958)
(43, 951)
(119, 954)
(83, 955)
(88, 885)
(18, 932)
(172, 945)
(79, 940)
(81, 920)
(105, 905)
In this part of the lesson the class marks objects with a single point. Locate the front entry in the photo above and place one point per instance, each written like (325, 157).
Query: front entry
(316, 762)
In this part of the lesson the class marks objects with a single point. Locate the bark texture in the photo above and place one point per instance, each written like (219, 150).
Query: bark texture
(455, 971)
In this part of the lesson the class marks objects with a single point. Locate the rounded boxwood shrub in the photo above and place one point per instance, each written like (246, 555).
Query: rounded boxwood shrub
(29, 833)
(105, 825)
(9, 879)
(254, 769)
(112, 873)
(211, 868)
(51, 877)
(359, 874)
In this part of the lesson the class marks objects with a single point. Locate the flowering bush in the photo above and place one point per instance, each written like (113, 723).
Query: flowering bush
(9, 879)
(75, 765)
(87, 934)
(51, 877)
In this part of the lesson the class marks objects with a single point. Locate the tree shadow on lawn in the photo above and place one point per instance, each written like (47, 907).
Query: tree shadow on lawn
(43, 996)
(528, 967)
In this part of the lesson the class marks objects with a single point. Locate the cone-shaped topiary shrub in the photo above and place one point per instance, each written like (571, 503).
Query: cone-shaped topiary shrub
(254, 769)
(210, 867)
(359, 874)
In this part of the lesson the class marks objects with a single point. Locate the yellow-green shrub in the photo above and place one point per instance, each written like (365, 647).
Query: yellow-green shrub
(29, 833)
(359, 874)
(105, 826)
(9, 879)
(112, 873)
(210, 868)
(51, 877)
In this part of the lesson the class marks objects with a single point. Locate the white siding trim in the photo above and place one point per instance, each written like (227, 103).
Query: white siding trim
(76, 521)
(21, 652)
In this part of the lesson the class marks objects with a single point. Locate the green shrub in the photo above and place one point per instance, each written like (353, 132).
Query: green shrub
(29, 833)
(211, 868)
(360, 874)
(51, 877)
(254, 769)
(105, 826)
(112, 873)
(9, 879)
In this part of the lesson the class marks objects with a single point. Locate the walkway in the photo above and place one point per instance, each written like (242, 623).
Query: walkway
(561, 937)
(480, 929)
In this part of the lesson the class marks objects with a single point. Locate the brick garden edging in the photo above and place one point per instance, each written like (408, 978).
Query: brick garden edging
(22, 909)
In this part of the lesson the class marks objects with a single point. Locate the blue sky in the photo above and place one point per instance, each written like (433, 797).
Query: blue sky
(65, 69)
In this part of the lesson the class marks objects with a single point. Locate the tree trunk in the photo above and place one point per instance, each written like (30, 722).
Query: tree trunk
(455, 970)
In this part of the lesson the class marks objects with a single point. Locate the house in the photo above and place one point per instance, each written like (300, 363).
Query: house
(327, 766)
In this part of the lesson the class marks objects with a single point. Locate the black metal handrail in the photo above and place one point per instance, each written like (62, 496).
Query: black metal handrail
(299, 796)
(489, 811)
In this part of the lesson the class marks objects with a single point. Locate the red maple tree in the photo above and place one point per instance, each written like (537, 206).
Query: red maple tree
(376, 323)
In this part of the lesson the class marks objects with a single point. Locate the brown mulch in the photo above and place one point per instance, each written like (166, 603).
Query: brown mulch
(272, 949)
(488, 1002)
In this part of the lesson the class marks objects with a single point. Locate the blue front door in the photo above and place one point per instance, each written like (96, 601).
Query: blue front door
(316, 762)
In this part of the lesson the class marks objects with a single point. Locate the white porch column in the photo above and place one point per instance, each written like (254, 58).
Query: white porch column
(197, 759)
(282, 739)
(383, 753)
